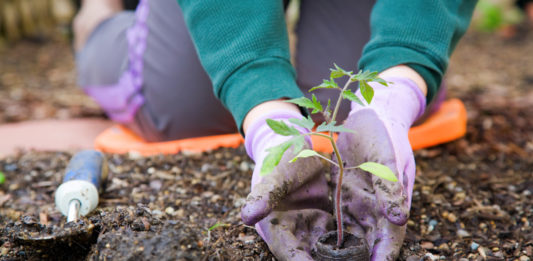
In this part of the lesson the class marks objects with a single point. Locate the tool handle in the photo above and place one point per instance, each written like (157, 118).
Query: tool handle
(87, 165)
(83, 181)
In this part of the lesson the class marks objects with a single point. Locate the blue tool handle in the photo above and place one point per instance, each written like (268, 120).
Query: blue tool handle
(87, 165)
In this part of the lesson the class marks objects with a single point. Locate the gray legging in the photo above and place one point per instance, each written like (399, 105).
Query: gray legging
(178, 95)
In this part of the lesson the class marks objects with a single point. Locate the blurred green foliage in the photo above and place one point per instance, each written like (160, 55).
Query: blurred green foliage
(491, 15)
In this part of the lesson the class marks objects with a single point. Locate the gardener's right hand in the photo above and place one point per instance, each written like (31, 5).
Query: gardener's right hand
(290, 206)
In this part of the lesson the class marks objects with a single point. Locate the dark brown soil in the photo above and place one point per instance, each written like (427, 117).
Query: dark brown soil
(472, 197)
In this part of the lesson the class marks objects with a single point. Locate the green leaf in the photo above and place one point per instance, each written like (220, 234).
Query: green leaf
(304, 154)
(367, 91)
(218, 224)
(307, 123)
(307, 103)
(339, 72)
(331, 127)
(381, 81)
(365, 76)
(276, 153)
(273, 158)
(326, 84)
(379, 170)
(281, 128)
(348, 94)
(2, 178)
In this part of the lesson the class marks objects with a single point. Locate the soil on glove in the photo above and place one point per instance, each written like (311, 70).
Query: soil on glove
(472, 197)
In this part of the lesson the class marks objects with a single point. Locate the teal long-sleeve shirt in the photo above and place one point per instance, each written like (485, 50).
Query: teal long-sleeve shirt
(243, 44)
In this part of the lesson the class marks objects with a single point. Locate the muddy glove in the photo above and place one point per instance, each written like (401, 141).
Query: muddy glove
(288, 206)
(374, 208)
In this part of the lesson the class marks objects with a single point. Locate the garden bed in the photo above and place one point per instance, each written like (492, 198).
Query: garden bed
(472, 197)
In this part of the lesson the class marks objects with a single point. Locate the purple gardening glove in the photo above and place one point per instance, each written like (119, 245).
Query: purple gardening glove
(374, 208)
(290, 206)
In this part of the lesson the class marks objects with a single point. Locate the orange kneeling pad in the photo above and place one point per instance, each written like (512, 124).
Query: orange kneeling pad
(446, 124)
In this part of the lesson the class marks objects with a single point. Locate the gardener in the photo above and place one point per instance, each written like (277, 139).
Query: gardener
(146, 70)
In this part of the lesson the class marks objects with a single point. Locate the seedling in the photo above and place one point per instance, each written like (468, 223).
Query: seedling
(2, 178)
(328, 126)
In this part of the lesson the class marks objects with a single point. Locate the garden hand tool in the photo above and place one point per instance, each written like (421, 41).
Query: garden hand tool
(78, 194)
(375, 208)
(288, 206)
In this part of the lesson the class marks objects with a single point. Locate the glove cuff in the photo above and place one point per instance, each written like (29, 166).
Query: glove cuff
(402, 99)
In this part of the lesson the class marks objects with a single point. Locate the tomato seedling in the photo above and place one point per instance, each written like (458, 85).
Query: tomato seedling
(326, 130)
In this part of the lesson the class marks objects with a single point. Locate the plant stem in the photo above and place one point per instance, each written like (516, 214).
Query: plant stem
(338, 192)
(338, 104)
(338, 210)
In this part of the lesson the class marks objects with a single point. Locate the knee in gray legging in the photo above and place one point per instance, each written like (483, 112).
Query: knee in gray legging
(330, 31)
(104, 57)
(179, 99)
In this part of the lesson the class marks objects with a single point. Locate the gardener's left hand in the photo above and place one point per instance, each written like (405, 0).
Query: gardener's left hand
(374, 208)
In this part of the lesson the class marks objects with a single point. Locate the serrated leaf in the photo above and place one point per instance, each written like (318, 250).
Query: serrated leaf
(365, 76)
(381, 81)
(281, 128)
(348, 94)
(379, 170)
(316, 104)
(307, 123)
(326, 84)
(331, 127)
(366, 91)
(307, 103)
(339, 72)
(304, 154)
(273, 158)
(297, 143)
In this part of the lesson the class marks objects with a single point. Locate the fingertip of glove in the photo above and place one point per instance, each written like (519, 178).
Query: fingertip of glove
(396, 215)
(252, 213)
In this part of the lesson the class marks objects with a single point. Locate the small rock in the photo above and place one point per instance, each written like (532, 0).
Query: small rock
(452, 218)
(427, 245)
(463, 233)
(170, 211)
(205, 167)
(134, 155)
(4, 251)
(180, 213)
(244, 167)
(444, 246)
(151, 170)
(474, 246)
(525, 258)
(156, 184)
(463, 259)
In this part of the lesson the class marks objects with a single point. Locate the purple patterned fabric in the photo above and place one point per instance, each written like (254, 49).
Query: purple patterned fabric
(122, 100)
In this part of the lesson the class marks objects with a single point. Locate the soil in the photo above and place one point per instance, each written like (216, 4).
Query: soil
(472, 197)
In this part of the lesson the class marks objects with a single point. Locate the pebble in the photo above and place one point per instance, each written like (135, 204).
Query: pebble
(525, 258)
(452, 218)
(205, 167)
(463, 259)
(170, 210)
(427, 245)
(244, 167)
(462, 233)
(474, 246)
(4, 251)
(156, 184)
(134, 155)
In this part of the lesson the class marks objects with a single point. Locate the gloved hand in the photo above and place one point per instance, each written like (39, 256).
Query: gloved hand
(374, 208)
(290, 206)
